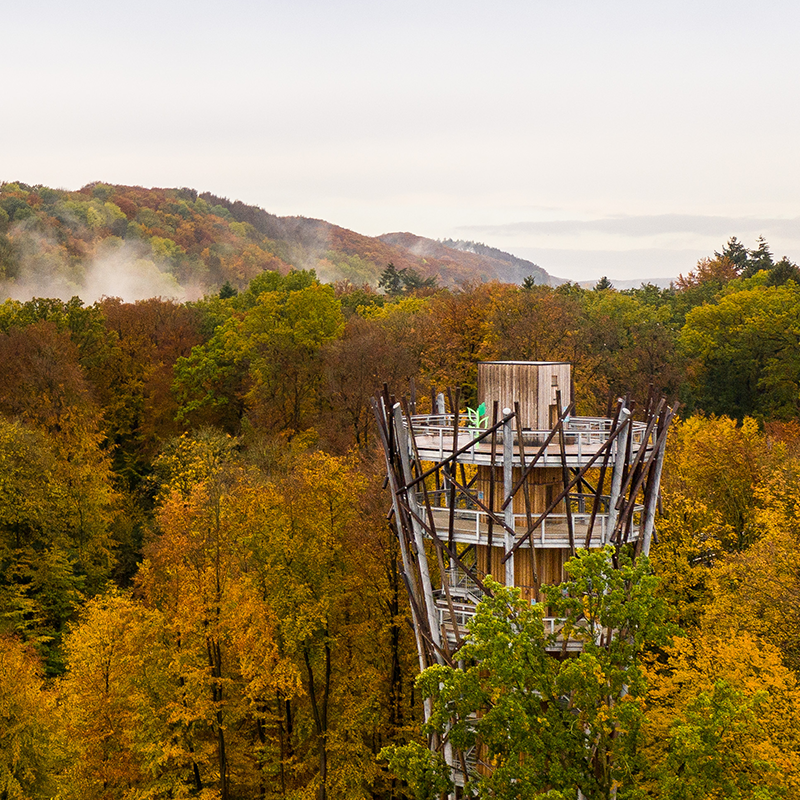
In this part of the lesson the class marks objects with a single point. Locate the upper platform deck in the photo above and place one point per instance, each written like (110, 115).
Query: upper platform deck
(583, 437)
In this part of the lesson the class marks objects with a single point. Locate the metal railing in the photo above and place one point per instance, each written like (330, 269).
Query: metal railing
(463, 612)
(583, 436)
(471, 524)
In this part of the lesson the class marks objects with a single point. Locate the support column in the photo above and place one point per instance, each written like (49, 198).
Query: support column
(419, 541)
(620, 447)
(508, 485)
(652, 500)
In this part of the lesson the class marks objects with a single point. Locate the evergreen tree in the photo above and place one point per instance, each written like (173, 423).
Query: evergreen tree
(736, 253)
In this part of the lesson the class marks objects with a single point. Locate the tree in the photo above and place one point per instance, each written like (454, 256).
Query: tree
(735, 252)
(758, 259)
(722, 719)
(456, 328)
(356, 365)
(396, 282)
(117, 676)
(30, 748)
(631, 346)
(391, 280)
(604, 284)
(54, 536)
(285, 645)
(264, 360)
(227, 290)
(743, 352)
(543, 724)
(783, 271)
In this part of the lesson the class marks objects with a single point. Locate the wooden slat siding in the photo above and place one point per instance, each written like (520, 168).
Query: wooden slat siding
(525, 574)
(552, 563)
(527, 382)
(538, 481)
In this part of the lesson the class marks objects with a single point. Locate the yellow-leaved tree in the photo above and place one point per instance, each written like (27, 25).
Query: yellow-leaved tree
(30, 745)
(723, 720)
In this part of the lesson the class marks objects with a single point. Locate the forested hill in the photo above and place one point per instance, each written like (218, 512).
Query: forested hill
(486, 263)
(132, 242)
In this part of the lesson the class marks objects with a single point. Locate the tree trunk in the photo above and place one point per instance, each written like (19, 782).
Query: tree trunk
(319, 707)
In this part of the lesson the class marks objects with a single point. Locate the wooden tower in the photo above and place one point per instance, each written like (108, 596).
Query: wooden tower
(512, 492)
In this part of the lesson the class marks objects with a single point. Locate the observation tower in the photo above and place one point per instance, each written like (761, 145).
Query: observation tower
(511, 489)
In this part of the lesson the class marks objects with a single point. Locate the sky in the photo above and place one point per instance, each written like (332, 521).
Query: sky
(626, 139)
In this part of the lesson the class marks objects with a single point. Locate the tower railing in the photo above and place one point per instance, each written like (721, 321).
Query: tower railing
(583, 436)
(471, 523)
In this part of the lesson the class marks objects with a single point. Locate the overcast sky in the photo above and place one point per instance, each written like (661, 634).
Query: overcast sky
(593, 137)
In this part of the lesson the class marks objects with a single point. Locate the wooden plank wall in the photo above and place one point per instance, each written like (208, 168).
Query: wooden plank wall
(549, 566)
(533, 384)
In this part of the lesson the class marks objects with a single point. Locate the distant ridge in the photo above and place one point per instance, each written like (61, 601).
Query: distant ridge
(634, 283)
(522, 267)
(472, 259)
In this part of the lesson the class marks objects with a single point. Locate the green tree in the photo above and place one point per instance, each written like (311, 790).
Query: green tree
(735, 252)
(743, 352)
(783, 271)
(539, 723)
(264, 361)
(396, 282)
(758, 259)
(54, 536)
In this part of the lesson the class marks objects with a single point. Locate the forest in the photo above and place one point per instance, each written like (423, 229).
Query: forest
(199, 585)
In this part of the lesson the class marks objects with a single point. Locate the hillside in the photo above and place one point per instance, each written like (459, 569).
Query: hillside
(472, 259)
(132, 242)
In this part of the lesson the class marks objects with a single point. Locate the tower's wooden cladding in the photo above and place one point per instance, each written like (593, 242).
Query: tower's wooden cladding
(513, 497)
(535, 386)
(532, 384)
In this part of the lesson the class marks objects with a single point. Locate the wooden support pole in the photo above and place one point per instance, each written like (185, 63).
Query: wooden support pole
(492, 476)
(508, 485)
(627, 511)
(562, 442)
(407, 575)
(621, 457)
(422, 559)
(601, 481)
(451, 469)
(654, 484)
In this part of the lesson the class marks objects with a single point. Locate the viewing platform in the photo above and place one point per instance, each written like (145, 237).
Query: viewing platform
(471, 524)
(583, 437)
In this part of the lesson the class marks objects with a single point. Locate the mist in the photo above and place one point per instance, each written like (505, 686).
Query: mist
(116, 268)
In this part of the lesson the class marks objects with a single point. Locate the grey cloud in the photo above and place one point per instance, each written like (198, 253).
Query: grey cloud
(648, 225)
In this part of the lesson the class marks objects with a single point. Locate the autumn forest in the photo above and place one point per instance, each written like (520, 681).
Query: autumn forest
(200, 592)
